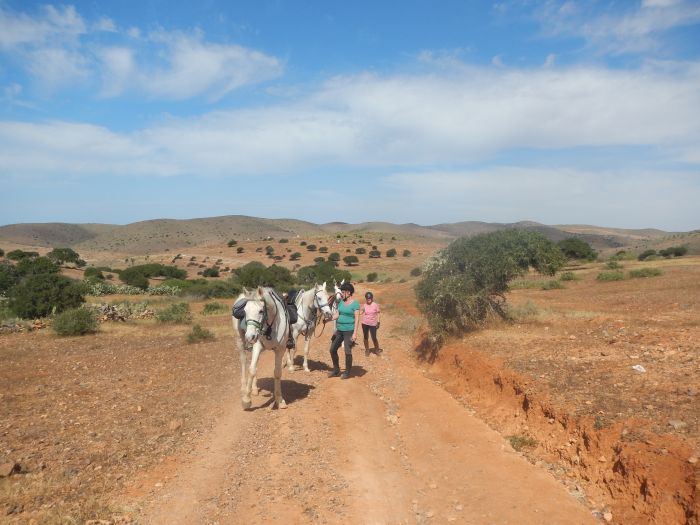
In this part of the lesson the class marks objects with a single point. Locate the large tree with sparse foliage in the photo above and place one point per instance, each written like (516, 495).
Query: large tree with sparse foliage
(469, 279)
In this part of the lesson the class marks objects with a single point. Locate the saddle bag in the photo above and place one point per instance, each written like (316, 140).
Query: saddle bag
(238, 310)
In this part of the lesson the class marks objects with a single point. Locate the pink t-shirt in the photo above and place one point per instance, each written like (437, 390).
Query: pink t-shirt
(370, 314)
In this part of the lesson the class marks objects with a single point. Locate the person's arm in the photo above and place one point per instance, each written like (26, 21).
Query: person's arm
(357, 324)
(379, 311)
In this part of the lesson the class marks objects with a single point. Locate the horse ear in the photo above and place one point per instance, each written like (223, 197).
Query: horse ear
(260, 291)
(324, 285)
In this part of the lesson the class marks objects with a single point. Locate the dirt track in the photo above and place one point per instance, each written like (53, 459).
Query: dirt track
(387, 446)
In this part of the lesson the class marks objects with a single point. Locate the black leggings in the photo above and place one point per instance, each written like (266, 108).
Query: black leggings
(368, 330)
(339, 338)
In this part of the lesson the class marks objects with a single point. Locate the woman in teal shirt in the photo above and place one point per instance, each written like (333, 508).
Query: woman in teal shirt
(346, 325)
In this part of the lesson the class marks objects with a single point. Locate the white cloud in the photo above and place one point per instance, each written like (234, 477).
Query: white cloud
(57, 67)
(631, 30)
(193, 67)
(18, 29)
(117, 68)
(105, 24)
(424, 120)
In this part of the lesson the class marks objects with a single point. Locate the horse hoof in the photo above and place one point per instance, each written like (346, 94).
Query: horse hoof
(246, 404)
(283, 404)
(307, 370)
(254, 393)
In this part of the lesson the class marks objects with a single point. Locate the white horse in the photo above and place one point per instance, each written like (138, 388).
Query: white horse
(308, 304)
(265, 326)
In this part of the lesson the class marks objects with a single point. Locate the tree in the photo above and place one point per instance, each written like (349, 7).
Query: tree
(468, 280)
(64, 256)
(323, 249)
(232, 243)
(391, 252)
(2, 252)
(574, 248)
(646, 254)
(372, 277)
(43, 294)
(9, 276)
(360, 251)
(351, 260)
(295, 256)
(36, 266)
(239, 249)
(375, 254)
(311, 247)
(321, 272)
(334, 257)
(18, 255)
(407, 253)
(211, 272)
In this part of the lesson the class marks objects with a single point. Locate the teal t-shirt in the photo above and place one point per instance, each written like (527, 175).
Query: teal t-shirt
(346, 317)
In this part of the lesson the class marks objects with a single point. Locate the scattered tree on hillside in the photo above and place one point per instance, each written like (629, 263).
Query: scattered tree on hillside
(39, 295)
(391, 252)
(65, 256)
(18, 255)
(574, 248)
(646, 254)
(374, 254)
(295, 256)
(674, 251)
(351, 260)
(469, 279)
(406, 253)
(360, 251)
(232, 243)
(321, 272)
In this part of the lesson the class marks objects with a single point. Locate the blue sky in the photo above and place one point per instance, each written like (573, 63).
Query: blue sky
(561, 112)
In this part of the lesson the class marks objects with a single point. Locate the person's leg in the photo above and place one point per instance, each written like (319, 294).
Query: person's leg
(373, 333)
(347, 340)
(365, 337)
(335, 344)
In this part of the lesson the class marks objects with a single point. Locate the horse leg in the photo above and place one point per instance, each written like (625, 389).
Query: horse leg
(279, 402)
(307, 343)
(252, 372)
(290, 353)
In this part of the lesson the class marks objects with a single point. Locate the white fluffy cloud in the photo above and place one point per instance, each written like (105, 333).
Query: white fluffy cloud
(469, 116)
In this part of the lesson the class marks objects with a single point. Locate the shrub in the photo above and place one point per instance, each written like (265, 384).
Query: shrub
(302, 243)
(76, 321)
(351, 260)
(568, 276)
(360, 251)
(520, 442)
(469, 279)
(415, 272)
(232, 243)
(211, 272)
(18, 255)
(311, 247)
(2, 252)
(612, 275)
(42, 294)
(613, 265)
(644, 272)
(375, 254)
(64, 255)
(295, 256)
(9, 276)
(334, 257)
(283, 241)
(93, 273)
(199, 334)
(372, 277)
(391, 252)
(321, 272)
(175, 313)
(574, 248)
(552, 285)
(674, 251)
(214, 308)
(269, 250)
(323, 249)
(256, 274)
(36, 266)
(523, 312)
(203, 289)
(646, 254)
(406, 253)
(240, 249)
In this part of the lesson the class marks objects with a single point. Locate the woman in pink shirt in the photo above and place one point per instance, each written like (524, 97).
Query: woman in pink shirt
(369, 313)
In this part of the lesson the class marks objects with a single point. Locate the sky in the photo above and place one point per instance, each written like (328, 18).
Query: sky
(560, 112)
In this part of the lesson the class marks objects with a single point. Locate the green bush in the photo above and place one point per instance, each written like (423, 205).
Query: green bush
(203, 289)
(372, 277)
(36, 266)
(18, 255)
(613, 265)
(468, 280)
(93, 273)
(523, 312)
(199, 334)
(214, 309)
(644, 272)
(240, 249)
(360, 251)
(574, 248)
(311, 247)
(2, 252)
(319, 259)
(232, 243)
(323, 249)
(375, 254)
(321, 272)
(391, 252)
(613, 275)
(257, 274)
(406, 253)
(646, 254)
(552, 285)
(568, 276)
(9, 276)
(351, 260)
(295, 256)
(43, 294)
(211, 272)
(674, 251)
(415, 272)
(283, 241)
(175, 313)
(65, 255)
(76, 321)
(334, 257)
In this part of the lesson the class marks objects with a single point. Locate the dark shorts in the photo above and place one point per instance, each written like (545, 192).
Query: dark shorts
(367, 330)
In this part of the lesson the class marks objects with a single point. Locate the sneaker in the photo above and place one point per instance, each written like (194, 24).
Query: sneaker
(334, 373)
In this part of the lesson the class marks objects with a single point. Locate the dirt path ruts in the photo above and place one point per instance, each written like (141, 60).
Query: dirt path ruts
(388, 446)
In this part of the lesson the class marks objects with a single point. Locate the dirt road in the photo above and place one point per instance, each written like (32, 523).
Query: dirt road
(387, 446)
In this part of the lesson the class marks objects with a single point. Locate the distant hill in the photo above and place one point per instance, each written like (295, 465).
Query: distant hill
(158, 235)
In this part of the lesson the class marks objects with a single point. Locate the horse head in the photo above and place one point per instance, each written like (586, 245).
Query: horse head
(255, 314)
(322, 302)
